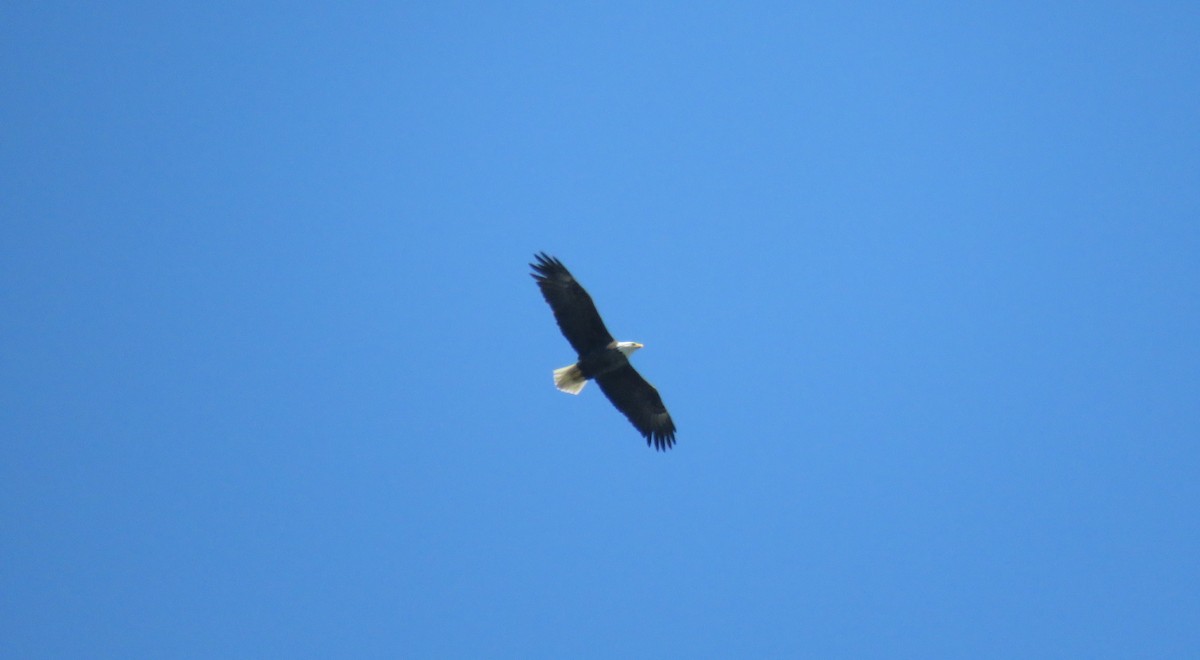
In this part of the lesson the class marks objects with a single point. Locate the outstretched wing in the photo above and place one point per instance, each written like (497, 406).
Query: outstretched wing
(573, 308)
(640, 402)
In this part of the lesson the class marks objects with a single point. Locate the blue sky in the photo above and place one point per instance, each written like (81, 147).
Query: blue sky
(918, 282)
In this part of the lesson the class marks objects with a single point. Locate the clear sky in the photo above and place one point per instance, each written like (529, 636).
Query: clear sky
(920, 284)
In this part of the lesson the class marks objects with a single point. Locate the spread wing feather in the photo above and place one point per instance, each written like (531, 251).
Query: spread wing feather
(640, 402)
(572, 306)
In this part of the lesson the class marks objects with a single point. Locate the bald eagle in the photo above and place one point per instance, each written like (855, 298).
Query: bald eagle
(600, 356)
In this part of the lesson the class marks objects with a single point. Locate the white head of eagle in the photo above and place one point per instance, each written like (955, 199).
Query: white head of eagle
(601, 358)
(628, 347)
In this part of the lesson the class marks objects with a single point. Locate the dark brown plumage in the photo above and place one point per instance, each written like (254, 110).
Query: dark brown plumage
(600, 357)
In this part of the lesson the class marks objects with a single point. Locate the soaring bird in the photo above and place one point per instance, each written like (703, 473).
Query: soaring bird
(600, 356)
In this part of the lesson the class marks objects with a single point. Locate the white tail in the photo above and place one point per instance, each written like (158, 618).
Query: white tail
(569, 379)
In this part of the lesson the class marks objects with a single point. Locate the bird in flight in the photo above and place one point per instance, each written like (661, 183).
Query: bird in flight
(601, 358)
